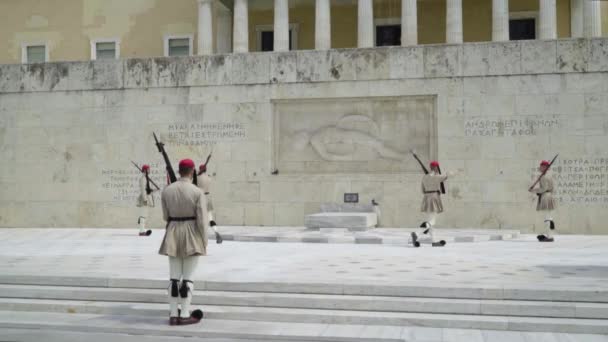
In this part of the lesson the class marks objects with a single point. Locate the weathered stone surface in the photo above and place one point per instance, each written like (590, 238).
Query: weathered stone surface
(313, 67)
(598, 55)
(283, 67)
(572, 55)
(250, 68)
(11, 78)
(491, 110)
(475, 59)
(443, 61)
(504, 58)
(406, 62)
(538, 57)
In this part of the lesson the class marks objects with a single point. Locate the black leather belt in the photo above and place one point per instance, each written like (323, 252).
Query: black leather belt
(206, 193)
(431, 192)
(182, 219)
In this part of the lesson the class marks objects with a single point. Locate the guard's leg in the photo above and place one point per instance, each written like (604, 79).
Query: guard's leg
(141, 221)
(175, 272)
(549, 227)
(212, 224)
(185, 292)
(431, 231)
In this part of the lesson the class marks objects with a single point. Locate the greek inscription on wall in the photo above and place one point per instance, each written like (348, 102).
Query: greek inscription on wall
(582, 180)
(123, 183)
(509, 126)
(204, 133)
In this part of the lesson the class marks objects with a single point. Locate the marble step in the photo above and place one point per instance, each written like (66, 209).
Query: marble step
(157, 312)
(209, 328)
(15, 296)
(407, 334)
(428, 290)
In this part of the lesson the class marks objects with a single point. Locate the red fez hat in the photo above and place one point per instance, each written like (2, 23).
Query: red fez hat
(544, 163)
(202, 168)
(145, 167)
(434, 163)
(186, 164)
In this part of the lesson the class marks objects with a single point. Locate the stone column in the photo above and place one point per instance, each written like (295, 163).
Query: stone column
(241, 27)
(576, 18)
(548, 19)
(365, 23)
(454, 21)
(500, 20)
(592, 19)
(205, 27)
(322, 25)
(409, 22)
(281, 25)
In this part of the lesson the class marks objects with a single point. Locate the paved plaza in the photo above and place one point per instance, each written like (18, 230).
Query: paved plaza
(99, 283)
(573, 261)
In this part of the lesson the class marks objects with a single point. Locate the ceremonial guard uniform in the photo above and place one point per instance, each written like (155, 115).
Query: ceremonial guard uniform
(145, 200)
(204, 182)
(185, 210)
(431, 203)
(546, 202)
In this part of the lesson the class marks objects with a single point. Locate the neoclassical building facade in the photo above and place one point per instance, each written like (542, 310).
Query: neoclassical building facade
(67, 30)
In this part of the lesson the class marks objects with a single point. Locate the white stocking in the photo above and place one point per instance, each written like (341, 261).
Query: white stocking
(210, 215)
(548, 219)
(188, 268)
(430, 219)
(143, 214)
(175, 272)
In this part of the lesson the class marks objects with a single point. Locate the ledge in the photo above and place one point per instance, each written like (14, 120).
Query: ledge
(424, 61)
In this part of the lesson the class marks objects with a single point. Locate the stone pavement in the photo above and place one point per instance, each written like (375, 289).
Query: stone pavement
(573, 261)
(514, 290)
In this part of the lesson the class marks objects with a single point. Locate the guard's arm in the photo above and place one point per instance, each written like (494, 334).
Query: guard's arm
(201, 216)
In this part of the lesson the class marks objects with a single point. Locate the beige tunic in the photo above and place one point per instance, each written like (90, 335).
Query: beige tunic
(144, 199)
(184, 238)
(431, 190)
(204, 182)
(545, 189)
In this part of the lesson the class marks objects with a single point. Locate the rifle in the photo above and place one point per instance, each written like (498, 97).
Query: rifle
(161, 149)
(147, 178)
(148, 188)
(208, 157)
(543, 173)
(426, 171)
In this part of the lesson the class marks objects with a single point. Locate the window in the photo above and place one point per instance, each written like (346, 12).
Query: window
(178, 45)
(522, 25)
(388, 35)
(268, 40)
(522, 29)
(387, 31)
(265, 37)
(105, 49)
(34, 53)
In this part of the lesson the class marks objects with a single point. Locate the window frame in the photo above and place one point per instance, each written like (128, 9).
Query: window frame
(294, 28)
(24, 47)
(190, 38)
(94, 42)
(527, 15)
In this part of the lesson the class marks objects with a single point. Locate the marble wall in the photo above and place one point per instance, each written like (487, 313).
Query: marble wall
(491, 110)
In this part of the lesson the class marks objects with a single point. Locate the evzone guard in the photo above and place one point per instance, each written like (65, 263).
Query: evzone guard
(432, 188)
(145, 200)
(204, 183)
(545, 203)
(185, 211)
